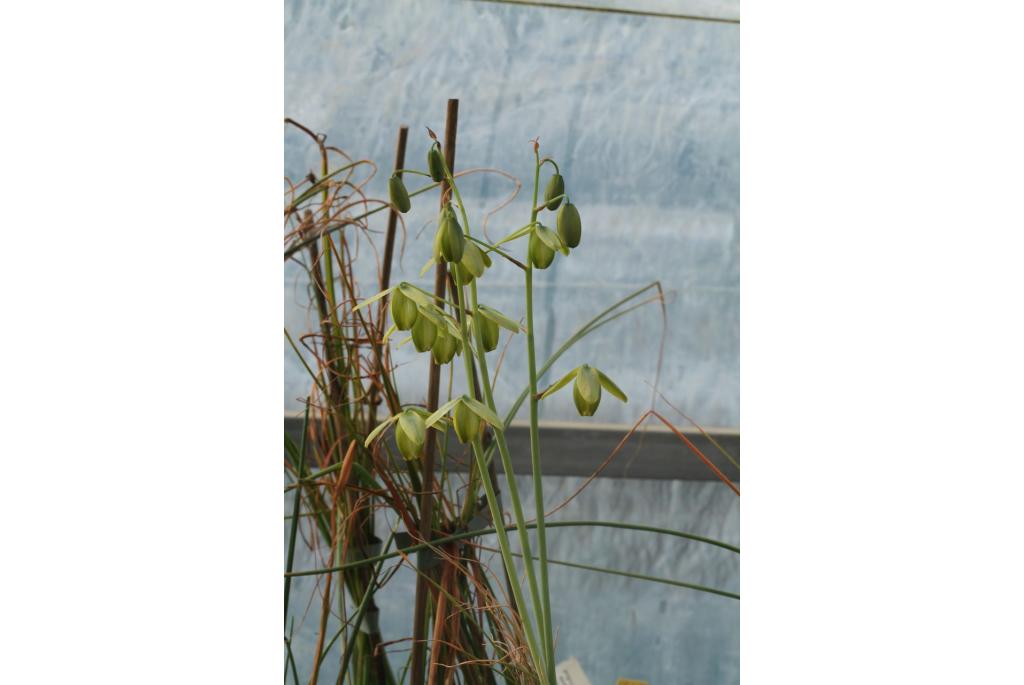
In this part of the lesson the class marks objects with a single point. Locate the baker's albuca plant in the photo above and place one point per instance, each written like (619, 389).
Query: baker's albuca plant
(469, 329)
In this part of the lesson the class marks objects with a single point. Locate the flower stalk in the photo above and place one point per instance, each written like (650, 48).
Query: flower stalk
(538, 485)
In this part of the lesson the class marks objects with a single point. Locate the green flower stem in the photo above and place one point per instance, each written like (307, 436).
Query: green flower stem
(538, 487)
(481, 467)
(544, 665)
(412, 171)
(506, 463)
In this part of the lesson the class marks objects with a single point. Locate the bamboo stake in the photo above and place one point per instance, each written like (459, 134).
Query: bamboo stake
(433, 389)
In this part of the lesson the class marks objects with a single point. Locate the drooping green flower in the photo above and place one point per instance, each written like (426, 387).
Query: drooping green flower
(489, 334)
(586, 391)
(410, 434)
(490, 321)
(473, 263)
(540, 254)
(424, 331)
(449, 241)
(403, 310)
(445, 346)
(466, 415)
(568, 225)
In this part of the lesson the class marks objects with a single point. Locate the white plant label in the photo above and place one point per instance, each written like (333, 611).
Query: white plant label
(569, 672)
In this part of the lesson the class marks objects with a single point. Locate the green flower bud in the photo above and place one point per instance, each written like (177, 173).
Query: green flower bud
(399, 195)
(568, 224)
(452, 241)
(489, 334)
(435, 163)
(403, 310)
(586, 391)
(556, 188)
(466, 423)
(444, 348)
(540, 254)
(423, 333)
(410, 434)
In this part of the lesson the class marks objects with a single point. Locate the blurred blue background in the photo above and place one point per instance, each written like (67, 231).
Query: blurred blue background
(642, 115)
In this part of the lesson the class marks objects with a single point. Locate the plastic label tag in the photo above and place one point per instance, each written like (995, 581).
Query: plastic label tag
(570, 672)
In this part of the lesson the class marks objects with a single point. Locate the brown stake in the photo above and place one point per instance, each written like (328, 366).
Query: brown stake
(385, 283)
(389, 243)
(433, 389)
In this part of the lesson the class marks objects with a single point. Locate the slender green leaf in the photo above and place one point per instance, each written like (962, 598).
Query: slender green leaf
(602, 319)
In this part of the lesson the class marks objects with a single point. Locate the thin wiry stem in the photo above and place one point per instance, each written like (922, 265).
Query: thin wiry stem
(535, 467)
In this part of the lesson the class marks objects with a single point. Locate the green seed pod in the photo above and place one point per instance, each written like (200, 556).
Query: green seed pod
(466, 423)
(568, 224)
(403, 310)
(435, 163)
(444, 348)
(489, 334)
(399, 195)
(586, 391)
(556, 188)
(410, 434)
(423, 334)
(453, 242)
(540, 254)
